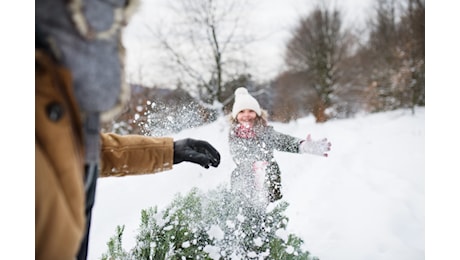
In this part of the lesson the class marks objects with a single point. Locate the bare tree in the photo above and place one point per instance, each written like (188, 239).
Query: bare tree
(396, 55)
(412, 35)
(317, 47)
(381, 57)
(205, 45)
(292, 100)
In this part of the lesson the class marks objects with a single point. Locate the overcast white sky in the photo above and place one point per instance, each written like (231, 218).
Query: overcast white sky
(271, 18)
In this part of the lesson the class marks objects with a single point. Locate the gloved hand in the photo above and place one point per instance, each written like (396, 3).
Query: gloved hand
(196, 151)
(319, 147)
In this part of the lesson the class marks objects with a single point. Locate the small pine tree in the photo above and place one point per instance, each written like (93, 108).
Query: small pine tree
(115, 249)
(216, 225)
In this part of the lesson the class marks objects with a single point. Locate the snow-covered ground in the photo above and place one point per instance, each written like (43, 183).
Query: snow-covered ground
(365, 201)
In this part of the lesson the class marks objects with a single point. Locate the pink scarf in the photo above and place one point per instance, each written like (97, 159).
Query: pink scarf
(245, 131)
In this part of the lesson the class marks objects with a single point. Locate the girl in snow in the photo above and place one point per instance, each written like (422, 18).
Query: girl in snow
(252, 143)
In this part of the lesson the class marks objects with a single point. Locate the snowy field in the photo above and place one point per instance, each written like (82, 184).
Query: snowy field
(365, 201)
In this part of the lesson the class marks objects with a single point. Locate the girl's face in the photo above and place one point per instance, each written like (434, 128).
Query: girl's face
(246, 117)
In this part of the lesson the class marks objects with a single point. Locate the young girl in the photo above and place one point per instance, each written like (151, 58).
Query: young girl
(252, 143)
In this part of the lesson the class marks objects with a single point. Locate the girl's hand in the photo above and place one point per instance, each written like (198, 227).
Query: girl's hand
(319, 147)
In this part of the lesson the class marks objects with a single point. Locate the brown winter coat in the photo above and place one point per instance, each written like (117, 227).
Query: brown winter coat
(59, 161)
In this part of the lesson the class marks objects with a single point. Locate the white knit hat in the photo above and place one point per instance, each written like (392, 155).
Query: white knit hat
(243, 100)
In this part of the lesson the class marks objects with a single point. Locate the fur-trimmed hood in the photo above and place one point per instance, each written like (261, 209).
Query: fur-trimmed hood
(85, 36)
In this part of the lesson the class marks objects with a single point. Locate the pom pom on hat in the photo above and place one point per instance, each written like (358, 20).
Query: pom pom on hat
(243, 100)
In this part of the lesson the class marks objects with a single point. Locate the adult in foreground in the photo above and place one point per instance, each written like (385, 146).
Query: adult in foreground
(79, 83)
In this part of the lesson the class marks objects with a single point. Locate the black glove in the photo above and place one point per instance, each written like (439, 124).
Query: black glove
(196, 151)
